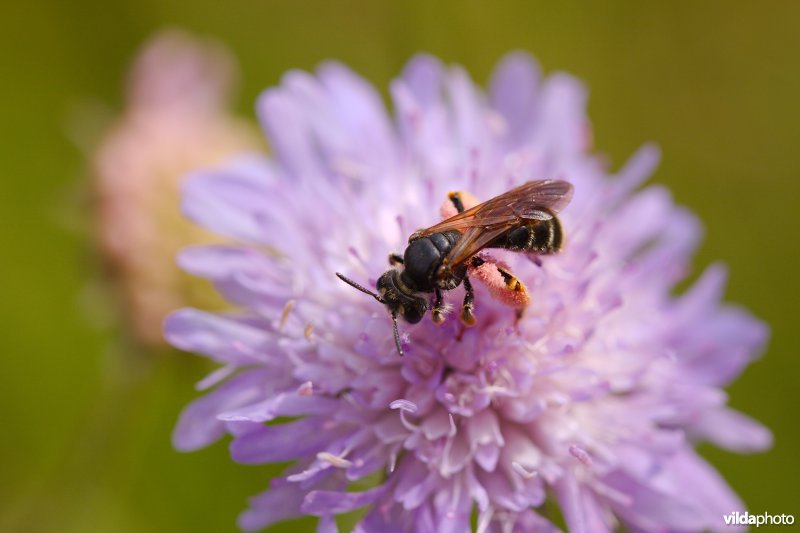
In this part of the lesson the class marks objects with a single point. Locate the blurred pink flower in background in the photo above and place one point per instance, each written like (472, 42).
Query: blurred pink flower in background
(176, 120)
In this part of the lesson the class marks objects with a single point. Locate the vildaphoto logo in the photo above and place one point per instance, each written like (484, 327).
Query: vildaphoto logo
(746, 519)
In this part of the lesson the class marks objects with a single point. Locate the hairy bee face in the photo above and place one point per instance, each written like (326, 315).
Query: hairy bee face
(413, 313)
(400, 299)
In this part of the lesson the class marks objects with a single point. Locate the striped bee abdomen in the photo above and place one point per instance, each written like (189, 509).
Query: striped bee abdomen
(537, 236)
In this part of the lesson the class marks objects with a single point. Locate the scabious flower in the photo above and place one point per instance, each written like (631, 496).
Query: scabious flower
(176, 120)
(593, 400)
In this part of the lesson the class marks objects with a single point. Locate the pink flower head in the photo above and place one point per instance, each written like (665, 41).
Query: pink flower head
(176, 120)
(595, 398)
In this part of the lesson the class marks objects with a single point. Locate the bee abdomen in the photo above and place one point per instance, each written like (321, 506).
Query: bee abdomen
(538, 236)
(547, 236)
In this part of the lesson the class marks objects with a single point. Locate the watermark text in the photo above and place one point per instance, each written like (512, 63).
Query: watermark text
(763, 519)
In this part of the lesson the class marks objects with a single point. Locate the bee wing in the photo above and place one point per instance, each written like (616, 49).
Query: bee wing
(473, 241)
(534, 200)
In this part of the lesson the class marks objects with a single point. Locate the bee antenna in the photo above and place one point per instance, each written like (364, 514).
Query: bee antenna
(396, 335)
(362, 289)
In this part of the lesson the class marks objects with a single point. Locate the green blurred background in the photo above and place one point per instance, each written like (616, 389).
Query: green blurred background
(86, 422)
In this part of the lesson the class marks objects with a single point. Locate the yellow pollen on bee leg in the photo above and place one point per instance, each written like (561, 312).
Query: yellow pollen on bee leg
(518, 297)
(308, 331)
(502, 285)
(448, 208)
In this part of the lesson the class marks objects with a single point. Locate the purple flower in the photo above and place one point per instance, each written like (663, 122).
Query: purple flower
(594, 399)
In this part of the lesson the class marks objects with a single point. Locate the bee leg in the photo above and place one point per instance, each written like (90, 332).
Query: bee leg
(395, 259)
(502, 284)
(467, 317)
(457, 202)
(455, 199)
(438, 310)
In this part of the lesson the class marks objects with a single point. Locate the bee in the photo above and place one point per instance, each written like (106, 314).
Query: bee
(443, 256)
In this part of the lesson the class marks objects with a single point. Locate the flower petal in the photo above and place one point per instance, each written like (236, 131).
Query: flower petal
(732, 430)
(322, 502)
(582, 512)
(683, 494)
(513, 92)
(361, 115)
(229, 200)
(198, 425)
(423, 77)
(287, 404)
(283, 442)
(224, 339)
(281, 502)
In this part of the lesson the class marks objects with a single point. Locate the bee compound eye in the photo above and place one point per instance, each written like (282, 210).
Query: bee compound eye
(413, 313)
(384, 283)
(412, 316)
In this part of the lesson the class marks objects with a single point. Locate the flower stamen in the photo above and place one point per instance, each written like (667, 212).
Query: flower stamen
(524, 472)
(305, 389)
(405, 406)
(287, 309)
(580, 454)
(334, 460)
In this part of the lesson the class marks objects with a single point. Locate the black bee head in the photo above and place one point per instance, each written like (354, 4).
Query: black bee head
(413, 312)
(399, 299)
